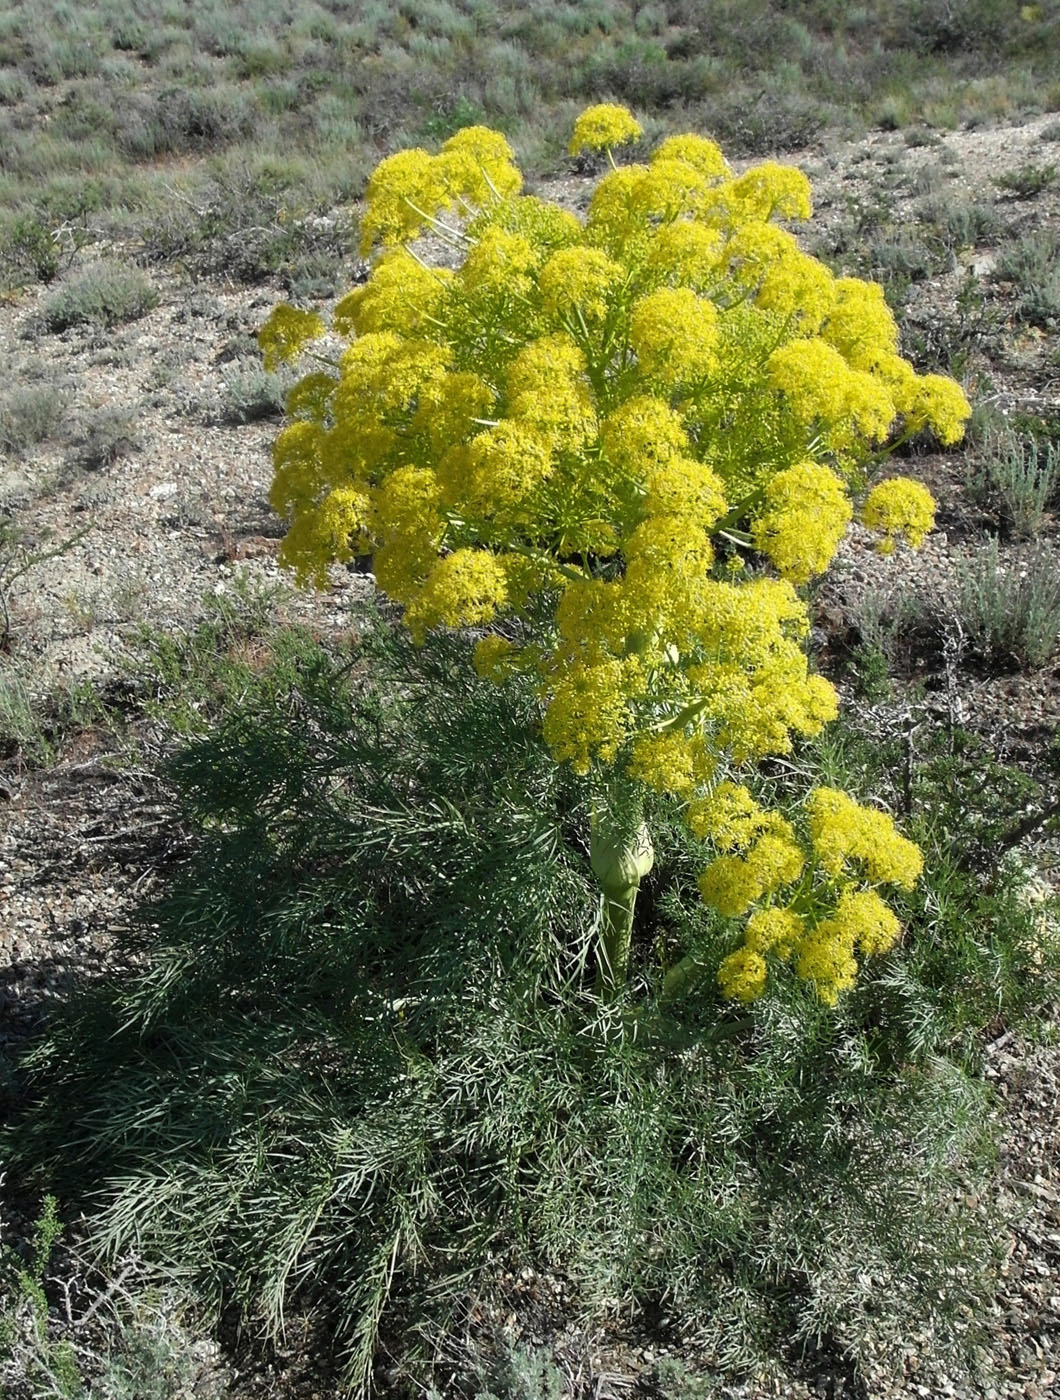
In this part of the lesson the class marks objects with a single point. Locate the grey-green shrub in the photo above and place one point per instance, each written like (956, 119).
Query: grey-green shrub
(31, 414)
(1021, 476)
(103, 294)
(1010, 609)
(1032, 263)
(1028, 181)
(107, 435)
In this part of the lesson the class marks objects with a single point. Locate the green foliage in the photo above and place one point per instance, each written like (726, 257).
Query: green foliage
(102, 294)
(253, 394)
(186, 678)
(48, 1363)
(1028, 181)
(198, 81)
(129, 1344)
(31, 250)
(981, 953)
(1010, 609)
(518, 1373)
(352, 1066)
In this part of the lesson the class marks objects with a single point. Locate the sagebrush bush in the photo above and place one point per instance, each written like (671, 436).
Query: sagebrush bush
(1032, 263)
(101, 294)
(252, 393)
(106, 436)
(1010, 607)
(31, 415)
(1021, 477)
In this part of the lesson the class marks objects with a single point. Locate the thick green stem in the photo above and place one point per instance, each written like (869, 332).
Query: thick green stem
(621, 854)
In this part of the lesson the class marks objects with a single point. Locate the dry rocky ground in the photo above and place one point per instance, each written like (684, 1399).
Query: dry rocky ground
(182, 513)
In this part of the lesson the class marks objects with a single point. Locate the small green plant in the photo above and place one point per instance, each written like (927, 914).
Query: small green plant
(33, 249)
(960, 222)
(1021, 476)
(1010, 608)
(886, 620)
(1028, 181)
(128, 1343)
(508, 1372)
(104, 294)
(48, 1364)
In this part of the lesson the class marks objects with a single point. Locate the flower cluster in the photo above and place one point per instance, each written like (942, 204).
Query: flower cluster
(589, 429)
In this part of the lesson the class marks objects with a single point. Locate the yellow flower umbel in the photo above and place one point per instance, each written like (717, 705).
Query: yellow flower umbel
(602, 127)
(584, 431)
(899, 509)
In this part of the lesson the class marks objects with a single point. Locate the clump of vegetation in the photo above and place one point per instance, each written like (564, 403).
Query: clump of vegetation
(128, 1344)
(32, 1359)
(1032, 263)
(1010, 607)
(30, 415)
(31, 250)
(108, 435)
(103, 294)
(363, 1007)
(1020, 475)
(252, 394)
(235, 86)
(1028, 181)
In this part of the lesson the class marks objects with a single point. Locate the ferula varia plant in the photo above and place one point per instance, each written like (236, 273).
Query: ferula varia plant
(623, 444)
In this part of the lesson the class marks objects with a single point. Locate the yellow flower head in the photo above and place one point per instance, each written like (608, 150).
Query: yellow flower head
(667, 762)
(899, 508)
(770, 190)
(464, 589)
(805, 514)
(493, 657)
(681, 486)
(775, 930)
(940, 404)
(477, 165)
(499, 263)
(286, 333)
(401, 296)
(699, 152)
(742, 975)
(674, 335)
(404, 192)
(580, 281)
(588, 714)
(641, 435)
(686, 254)
(603, 126)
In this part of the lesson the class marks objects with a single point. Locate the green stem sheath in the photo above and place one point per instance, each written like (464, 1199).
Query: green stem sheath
(621, 854)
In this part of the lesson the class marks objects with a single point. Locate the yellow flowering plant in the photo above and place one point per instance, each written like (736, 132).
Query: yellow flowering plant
(619, 446)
